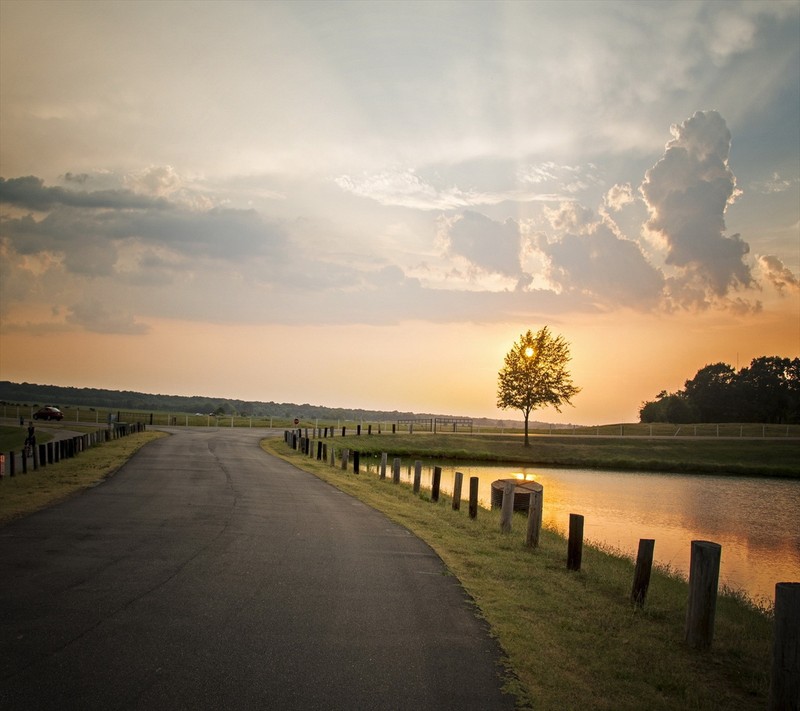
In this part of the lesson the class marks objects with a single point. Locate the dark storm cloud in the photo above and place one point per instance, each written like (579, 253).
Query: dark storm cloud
(89, 228)
(30, 193)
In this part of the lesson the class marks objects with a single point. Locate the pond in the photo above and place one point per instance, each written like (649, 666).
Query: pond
(755, 520)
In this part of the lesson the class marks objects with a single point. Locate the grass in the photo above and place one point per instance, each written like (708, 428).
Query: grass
(574, 640)
(750, 457)
(26, 493)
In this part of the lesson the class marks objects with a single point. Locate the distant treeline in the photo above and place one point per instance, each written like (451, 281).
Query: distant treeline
(32, 394)
(768, 391)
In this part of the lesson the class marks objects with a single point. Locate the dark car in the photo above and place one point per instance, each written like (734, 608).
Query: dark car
(48, 413)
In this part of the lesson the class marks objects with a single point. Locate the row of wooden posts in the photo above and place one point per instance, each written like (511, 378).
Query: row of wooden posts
(703, 567)
(49, 453)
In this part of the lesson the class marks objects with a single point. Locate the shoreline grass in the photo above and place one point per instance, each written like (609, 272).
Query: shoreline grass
(574, 640)
(736, 457)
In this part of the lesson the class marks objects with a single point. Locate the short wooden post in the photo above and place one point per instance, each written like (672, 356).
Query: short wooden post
(702, 605)
(12, 464)
(324, 456)
(384, 459)
(358, 430)
(356, 461)
(575, 543)
(319, 449)
(35, 453)
(507, 508)
(333, 456)
(417, 476)
(784, 688)
(396, 470)
(534, 529)
(344, 431)
(641, 575)
(369, 429)
(42, 455)
(473, 496)
(437, 481)
(345, 458)
(457, 481)
(24, 462)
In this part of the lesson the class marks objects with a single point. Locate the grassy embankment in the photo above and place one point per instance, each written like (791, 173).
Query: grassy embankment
(750, 457)
(26, 493)
(573, 640)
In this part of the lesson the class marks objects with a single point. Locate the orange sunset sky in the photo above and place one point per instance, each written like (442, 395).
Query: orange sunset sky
(363, 205)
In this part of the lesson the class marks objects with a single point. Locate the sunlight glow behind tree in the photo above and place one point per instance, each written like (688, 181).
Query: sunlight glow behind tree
(535, 375)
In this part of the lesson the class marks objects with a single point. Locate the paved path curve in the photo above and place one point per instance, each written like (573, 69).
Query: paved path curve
(209, 575)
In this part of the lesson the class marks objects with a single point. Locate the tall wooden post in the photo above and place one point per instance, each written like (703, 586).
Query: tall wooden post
(384, 459)
(457, 482)
(575, 543)
(437, 482)
(356, 461)
(535, 503)
(345, 458)
(641, 575)
(507, 509)
(703, 581)
(784, 688)
(417, 476)
(473, 496)
(396, 470)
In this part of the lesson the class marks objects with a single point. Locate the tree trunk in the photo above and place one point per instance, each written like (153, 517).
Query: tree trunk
(527, 415)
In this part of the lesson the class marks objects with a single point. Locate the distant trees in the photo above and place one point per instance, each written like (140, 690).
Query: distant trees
(535, 374)
(768, 391)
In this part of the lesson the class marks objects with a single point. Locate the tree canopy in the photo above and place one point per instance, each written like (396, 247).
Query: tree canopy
(535, 375)
(768, 391)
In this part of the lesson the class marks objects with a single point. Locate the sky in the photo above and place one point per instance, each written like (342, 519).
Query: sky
(364, 205)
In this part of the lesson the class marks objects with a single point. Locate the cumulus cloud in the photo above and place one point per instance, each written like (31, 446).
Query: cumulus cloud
(686, 193)
(619, 196)
(490, 245)
(601, 265)
(779, 275)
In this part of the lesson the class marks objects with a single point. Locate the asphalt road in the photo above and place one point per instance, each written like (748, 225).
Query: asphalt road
(208, 575)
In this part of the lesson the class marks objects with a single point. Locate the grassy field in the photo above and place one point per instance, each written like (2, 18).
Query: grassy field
(26, 493)
(752, 457)
(573, 639)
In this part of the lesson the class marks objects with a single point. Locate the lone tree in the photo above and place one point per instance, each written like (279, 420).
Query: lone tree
(535, 374)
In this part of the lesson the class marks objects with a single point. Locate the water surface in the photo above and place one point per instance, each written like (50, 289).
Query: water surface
(755, 520)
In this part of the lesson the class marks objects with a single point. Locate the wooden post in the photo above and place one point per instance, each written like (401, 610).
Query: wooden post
(417, 476)
(356, 461)
(534, 529)
(35, 453)
(437, 481)
(575, 543)
(396, 470)
(24, 462)
(319, 449)
(641, 576)
(702, 605)
(333, 455)
(459, 478)
(473, 496)
(12, 464)
(384, 459)
(345, 458)
(507, 509)
(784, 688)
(42, 454)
